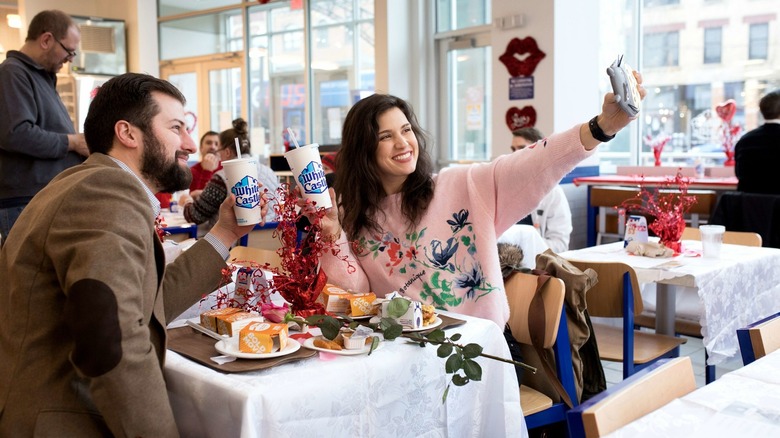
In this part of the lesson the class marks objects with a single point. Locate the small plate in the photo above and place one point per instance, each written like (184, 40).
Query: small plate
(309, 343)
(436, 322)
(230, 347)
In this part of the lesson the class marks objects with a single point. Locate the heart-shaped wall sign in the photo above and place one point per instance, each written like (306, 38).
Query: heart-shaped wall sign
(726, 110)
(520, 118)
(522, 56)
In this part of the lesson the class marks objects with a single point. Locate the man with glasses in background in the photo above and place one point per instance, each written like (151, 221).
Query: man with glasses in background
(37, 136)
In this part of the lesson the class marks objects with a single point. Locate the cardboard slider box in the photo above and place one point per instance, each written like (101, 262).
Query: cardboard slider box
(338, 300)
(412, 319)
(208, 319)
(262, 337)
(231, 324)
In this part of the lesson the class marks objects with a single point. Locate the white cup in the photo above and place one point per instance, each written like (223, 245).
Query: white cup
(306, 166)
(241, 175)
(711, 240)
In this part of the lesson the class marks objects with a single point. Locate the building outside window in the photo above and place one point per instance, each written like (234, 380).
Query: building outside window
(692, 60)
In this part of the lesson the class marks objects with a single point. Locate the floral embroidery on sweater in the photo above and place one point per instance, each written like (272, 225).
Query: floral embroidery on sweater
(455, 276)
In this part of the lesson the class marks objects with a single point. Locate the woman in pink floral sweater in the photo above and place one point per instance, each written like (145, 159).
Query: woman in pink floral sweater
(433, 237)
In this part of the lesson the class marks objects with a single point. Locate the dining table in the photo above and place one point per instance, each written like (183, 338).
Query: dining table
(396, 391)
(742, 403)
(739, 287)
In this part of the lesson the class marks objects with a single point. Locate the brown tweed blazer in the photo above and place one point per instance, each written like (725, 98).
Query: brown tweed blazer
(84, 299)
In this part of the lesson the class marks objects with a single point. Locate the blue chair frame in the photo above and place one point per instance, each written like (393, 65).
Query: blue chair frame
(563, 368)
(746, 343)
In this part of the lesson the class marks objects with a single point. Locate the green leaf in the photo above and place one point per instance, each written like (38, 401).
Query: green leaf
(455, 337)
(472, 350)
(436, 335)
(472, 369)
(459, 380)
(444, 350)
(374, 344)
(397, 307)
(466, 240)
(390, 328)
(453, 364)
(444, 396)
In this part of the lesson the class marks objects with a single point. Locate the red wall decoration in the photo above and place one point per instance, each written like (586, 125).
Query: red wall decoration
(520, 118)
(518, 48)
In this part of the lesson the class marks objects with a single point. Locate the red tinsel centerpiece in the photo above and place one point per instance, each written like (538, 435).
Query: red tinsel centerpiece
(668, 204)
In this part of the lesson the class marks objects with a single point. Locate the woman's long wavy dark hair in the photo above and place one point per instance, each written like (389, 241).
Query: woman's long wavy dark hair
(358, 183)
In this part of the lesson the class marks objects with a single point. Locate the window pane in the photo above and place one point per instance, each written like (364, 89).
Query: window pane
(330, 12)
(712, 45)
(759, 40)
(461, 14)
(214, 33)
(470, 119)
(175, 7)
(277, 96)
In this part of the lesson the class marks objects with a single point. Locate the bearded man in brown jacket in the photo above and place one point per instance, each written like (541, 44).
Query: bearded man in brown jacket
(85, 292)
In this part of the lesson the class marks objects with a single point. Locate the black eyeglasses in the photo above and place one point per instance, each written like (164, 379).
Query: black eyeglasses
(71, 53)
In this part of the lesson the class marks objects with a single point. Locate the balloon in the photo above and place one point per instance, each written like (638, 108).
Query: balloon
(726, 110)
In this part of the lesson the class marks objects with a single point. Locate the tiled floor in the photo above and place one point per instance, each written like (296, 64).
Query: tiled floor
(694, 348)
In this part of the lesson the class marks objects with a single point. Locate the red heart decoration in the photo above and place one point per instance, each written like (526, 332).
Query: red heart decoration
(726, 110)
(519, 47)
(520, 118)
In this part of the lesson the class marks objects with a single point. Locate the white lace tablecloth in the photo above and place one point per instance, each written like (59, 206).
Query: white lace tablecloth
(742, 403)
(395, 392)
(741, 287)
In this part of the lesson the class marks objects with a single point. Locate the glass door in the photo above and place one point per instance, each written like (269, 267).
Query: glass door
(213, 88)
(466, 92)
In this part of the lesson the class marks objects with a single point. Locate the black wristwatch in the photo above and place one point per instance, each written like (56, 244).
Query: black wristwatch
(597, 133)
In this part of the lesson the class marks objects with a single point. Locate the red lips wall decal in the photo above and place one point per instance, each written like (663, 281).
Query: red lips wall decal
(520, 118)
(515, 50)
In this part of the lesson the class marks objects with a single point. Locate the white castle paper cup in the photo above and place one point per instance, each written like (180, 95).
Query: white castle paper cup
(241, 175)
(306, 167)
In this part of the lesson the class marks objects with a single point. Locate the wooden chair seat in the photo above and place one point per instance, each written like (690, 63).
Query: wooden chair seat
(533, 401)
(647, 346)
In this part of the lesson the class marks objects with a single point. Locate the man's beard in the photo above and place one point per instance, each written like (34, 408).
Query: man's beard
(168, 176)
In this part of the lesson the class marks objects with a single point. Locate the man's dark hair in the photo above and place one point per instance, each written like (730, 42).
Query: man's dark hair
(54, 21)
(127, 97)
(770, 105)
(531, 134)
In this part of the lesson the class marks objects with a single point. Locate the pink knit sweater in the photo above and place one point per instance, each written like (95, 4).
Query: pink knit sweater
(450, 258)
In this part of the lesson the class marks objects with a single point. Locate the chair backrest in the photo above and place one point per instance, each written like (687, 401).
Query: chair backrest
(608, 196)
(520, 289)
(635, 397)
(605, 299)
(760, 338)
(744, 238)
(257, 255)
